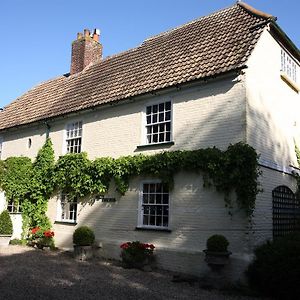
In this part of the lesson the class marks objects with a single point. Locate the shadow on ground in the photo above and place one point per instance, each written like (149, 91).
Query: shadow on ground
(27, 273)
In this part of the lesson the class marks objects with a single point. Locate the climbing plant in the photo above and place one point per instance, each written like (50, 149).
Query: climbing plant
(235, 169)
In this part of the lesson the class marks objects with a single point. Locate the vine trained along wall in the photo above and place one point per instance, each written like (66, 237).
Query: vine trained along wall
(32, 184)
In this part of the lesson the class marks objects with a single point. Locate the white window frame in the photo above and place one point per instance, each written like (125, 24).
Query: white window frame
(13, 208)
(1, 147)
(144, 120)
(140, 207)
(66, 139)
(59, 215)
(289, 66)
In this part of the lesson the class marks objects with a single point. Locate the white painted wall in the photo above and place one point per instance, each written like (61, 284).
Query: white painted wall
(273, 119)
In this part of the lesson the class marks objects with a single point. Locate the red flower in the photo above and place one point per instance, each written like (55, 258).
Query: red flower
(49, 234)
(151, 246)
(35, 230)
(124, 246)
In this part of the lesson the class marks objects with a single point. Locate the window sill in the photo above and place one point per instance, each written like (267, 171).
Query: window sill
(156, 145)
(65, 223)
(291, 83)
(153, 229)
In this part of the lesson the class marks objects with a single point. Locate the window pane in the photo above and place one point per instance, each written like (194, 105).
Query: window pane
(168, 105)
(154, 118)
(161, 107)
(168, 116)
(161, 117)
(148, 110)
(155, 107)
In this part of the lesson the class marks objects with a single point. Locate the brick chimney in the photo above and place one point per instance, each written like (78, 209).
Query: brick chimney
(86, 50)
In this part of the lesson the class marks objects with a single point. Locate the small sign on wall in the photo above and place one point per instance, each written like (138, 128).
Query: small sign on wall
(105, 199)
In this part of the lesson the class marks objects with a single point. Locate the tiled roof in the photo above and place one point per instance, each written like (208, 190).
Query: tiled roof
(206, 47)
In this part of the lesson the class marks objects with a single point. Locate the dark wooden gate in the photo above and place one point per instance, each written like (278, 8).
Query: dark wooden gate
(286, 211)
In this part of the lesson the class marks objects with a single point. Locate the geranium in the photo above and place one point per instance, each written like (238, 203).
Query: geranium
(136, 254)
(49, 233)
(35, 230)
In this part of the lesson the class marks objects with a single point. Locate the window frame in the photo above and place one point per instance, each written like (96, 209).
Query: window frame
(13, 205)
(1, 146)
(144, 120)
(59, 210)
(140, 224)
(66, 139)
(289, 62)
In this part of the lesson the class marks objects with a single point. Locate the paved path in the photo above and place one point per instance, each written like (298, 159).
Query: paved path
(27, 273)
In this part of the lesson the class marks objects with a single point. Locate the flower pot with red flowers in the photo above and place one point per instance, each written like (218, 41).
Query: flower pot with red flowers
(137, 255)
(83, 240)
(41, 238)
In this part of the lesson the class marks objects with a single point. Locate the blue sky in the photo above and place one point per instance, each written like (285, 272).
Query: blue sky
(37, 34)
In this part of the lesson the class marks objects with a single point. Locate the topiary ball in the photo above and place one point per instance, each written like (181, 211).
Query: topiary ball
(83, 236)
(217, 243)
(6, 226)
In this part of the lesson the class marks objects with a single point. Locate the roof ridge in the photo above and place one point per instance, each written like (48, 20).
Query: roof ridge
(255, 11)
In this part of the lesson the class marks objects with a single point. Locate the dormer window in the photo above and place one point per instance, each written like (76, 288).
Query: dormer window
(288, 66)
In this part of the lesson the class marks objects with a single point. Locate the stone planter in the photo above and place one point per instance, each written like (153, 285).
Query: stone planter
(130, 262)
(83, 253)
(217, 260)
(4, 239)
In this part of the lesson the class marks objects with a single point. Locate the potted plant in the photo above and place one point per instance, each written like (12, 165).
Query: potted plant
(137, 254)
(216, 252)
(6, 228)
(83, 239)
(41, 238)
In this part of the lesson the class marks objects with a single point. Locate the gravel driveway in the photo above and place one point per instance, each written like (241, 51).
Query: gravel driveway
(27, 273)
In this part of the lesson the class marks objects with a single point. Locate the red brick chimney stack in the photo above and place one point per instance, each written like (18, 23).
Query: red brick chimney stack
(86, 50)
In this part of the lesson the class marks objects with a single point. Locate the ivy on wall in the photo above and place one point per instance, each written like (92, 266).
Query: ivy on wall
(235, 169)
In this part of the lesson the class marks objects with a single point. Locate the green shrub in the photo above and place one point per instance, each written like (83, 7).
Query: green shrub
(217, 243)
(17, 242)
(275, 270)
(83, 236)
(6, 226)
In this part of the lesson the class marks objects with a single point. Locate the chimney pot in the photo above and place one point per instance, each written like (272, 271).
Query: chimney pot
(79, 35)
(86, 33)
(96, 35)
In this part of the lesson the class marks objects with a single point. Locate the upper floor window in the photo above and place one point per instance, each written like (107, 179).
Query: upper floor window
(74, 137)
(1, 142)
(154, 205)
(288, 65)
(158, 123)
(67, 209)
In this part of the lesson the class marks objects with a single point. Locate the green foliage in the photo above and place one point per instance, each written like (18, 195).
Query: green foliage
(275, 270)
(235, 169)
(83, 236)
(15, 174)
(17, 242)
(72, 175)
(217, 243)
(6, 226)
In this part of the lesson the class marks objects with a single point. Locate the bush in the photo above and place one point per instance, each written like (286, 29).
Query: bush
(17, 242)
(6, 226)
(275, 270)
(217, 243)
(83, 236)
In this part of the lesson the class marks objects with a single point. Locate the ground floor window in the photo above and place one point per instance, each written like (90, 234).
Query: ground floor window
(67, 209)
(286, 211)
(13, 207)
(154, 205)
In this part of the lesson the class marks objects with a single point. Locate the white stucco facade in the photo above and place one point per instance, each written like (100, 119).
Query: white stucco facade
(257, 107)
